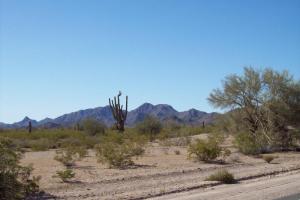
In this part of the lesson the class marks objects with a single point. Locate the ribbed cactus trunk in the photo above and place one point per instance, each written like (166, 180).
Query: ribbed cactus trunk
(118, 113)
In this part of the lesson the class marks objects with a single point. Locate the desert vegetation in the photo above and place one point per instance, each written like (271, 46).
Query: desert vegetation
(15, 180)
(264, 109)
(262, 116)
(222, 176)
(209, 149)
(65, 175)
(117, 150)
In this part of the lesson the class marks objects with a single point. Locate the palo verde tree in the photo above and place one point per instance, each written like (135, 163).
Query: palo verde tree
(267, 104)
(119, 114)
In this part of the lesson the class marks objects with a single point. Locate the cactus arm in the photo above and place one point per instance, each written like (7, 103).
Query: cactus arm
(112, 108)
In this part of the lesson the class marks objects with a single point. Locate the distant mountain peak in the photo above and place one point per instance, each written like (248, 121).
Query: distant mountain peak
(147, 105)
(144, 107)
(26, 118)
(163, 112)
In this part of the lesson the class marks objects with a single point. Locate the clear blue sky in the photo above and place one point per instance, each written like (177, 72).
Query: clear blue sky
(59, 56)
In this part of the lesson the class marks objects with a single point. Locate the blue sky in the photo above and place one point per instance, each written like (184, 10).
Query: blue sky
(59, 56)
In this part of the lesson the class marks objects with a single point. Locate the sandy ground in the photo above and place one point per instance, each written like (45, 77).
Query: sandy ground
(161, 173)
(265, 188)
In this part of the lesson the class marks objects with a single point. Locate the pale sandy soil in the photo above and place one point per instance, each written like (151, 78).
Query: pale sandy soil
(158, 173)
(265, 188)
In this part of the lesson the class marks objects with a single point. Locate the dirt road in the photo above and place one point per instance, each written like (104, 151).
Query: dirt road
(157, 174)
(265, 188)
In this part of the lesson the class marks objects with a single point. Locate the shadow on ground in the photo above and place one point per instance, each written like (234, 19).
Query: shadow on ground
(42, 196)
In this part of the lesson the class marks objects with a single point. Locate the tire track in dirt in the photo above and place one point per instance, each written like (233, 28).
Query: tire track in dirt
(166, 183)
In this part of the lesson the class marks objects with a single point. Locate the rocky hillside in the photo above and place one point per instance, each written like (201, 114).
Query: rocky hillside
(163, 112)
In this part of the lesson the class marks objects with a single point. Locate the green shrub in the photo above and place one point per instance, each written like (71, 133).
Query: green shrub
(150, 127)
(42, 144)
(43, 139)
(117, 150)
(171, 125)
(65, 175)
(268, 158)
(70, 154)
(93, 127)
(207, 150)
(249, 145)
(15, 181)
(204, 151)
(222, 176)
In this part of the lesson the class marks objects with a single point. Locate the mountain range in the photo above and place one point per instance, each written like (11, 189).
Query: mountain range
(163, 112)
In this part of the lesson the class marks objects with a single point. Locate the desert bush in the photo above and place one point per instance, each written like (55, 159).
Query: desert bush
(70, 154)
(150, 127)
(15, 181)
(42, 144)
(249, 145)
(177, 152)
(183, 132)
(226, 152)
(65, 175)
(172, 126)
(204, 151)
(268, 158)
(196, 130)
(207, 150)
(117, 150)
(43, 139)
(93, 127)
(222, 176)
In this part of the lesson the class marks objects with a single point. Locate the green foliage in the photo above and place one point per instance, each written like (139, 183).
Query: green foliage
(42, 144)
(150, 127)
(263, 103)
(182, 133)
(207, 150)
(117, 150)
(65, 175)
(231, 123)
(268, 158)
(44, 139)
(222, 176)
(204, 151)
(249, 145)
(93, 127)
(15, 182)
(175, 135)
(70, 154)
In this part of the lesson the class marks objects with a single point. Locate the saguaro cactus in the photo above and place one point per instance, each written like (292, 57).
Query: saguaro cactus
(29, 127)
(119, 114)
